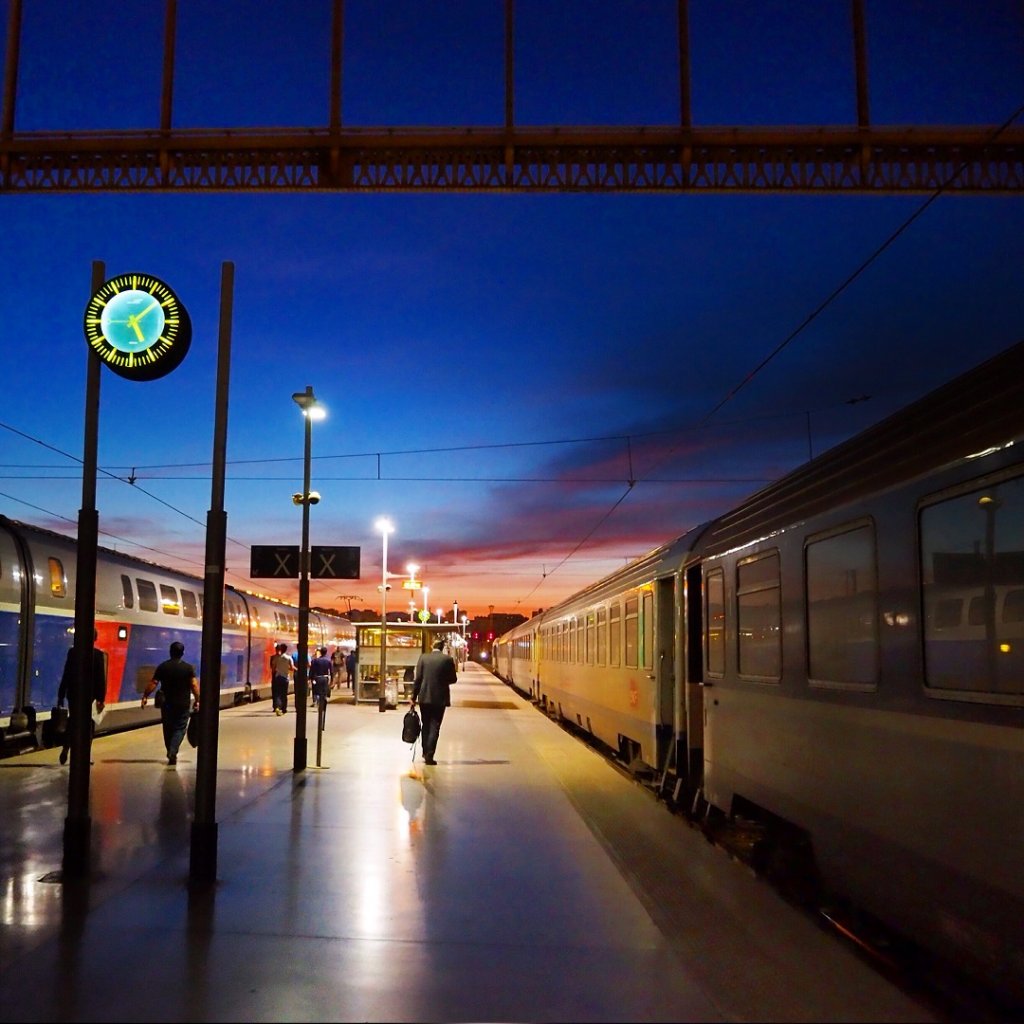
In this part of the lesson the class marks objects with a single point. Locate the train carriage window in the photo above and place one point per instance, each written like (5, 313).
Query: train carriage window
(714, 618)
(1013, 606)
(58, 581)
(648, 629)
(169, 600)
(758, 617)
(972, 551)
(147, 596)
(602, 635)
(632, 629)
(127, 594)
(948, 611)
(842, 608)
(614, 635)
(591, 640)
(188, 604)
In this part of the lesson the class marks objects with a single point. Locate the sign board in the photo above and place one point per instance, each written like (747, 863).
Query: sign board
(331, 562)
(412, 584)
(269, 561)
(424, 616)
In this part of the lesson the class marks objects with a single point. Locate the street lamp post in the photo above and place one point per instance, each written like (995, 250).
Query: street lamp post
(306, 401)
(455, 612)
(385, 526)
(440, 615)
(426, 610)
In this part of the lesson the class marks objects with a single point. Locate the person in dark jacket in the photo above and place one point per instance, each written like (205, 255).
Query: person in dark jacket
(320, 675)
(66, 690)
(177, 679)
(431, 688)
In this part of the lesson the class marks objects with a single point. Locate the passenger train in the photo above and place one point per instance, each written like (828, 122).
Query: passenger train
(841, 658)
(140, 609)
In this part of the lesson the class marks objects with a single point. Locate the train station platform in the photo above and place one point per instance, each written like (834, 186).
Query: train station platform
(522, 878)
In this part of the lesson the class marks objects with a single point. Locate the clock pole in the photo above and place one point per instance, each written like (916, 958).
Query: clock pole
(78, 824)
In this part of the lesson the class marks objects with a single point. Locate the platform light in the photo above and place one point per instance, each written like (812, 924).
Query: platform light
(386, 528)
(311, 410)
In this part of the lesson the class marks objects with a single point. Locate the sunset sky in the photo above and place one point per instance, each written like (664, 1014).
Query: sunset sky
(495, 367)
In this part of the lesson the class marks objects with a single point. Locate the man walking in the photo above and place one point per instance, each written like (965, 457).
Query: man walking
(435, 674)
(282, 668)
(67, 691)
(178, 681)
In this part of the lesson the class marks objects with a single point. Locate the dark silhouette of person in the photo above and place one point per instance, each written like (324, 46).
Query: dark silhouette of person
(66, 691)
(320, 674)
(350, 668)
(177, 679)
(431, 688)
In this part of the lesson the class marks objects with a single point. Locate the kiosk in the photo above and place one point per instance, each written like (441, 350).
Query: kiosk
(406, 642)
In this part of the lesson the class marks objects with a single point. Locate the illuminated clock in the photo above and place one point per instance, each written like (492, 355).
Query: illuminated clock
(138, 326)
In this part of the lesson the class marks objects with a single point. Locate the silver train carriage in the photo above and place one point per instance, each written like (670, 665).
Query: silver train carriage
(140, 609)
(841, 657)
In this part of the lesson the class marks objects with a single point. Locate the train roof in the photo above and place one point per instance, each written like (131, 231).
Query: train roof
(978, 411)
(661, 560)
(125, 558)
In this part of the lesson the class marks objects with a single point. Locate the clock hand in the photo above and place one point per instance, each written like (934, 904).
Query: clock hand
(133, 322)
(151, 306)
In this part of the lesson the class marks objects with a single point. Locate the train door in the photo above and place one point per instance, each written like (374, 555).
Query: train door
(664, 667)
(692, 764)
(17, 601)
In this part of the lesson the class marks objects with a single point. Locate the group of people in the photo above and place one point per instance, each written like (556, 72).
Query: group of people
(432, 680)
(324, 674)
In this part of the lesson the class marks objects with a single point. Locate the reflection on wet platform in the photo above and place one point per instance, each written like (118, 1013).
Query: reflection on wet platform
(521, 878)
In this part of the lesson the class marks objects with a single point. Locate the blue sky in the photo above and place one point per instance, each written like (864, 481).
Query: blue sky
(492, 354)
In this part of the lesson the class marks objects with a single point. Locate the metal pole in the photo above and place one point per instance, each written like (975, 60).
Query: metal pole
(299, 762)
(167, 86)
(78, 824)
(860, 59)
(321, 716)
(683, 26)
(510, 60)
(382, 703)
(337, 44)
(11, 69)
(203, 859)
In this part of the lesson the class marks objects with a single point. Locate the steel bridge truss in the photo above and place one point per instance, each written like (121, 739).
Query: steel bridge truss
(876, 160)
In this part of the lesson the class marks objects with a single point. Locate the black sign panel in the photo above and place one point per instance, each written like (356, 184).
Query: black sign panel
(269, 561)
(334, 563)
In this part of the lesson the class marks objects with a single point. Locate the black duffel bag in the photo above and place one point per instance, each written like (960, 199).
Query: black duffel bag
(192, 732)
(410, 726)
(59, 720)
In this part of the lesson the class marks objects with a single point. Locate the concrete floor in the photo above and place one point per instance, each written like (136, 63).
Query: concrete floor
(521, 879)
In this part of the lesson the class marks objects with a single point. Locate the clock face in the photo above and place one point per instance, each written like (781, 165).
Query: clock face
(138, 326)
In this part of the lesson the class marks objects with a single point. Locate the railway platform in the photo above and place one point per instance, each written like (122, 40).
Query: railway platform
(522, 878)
